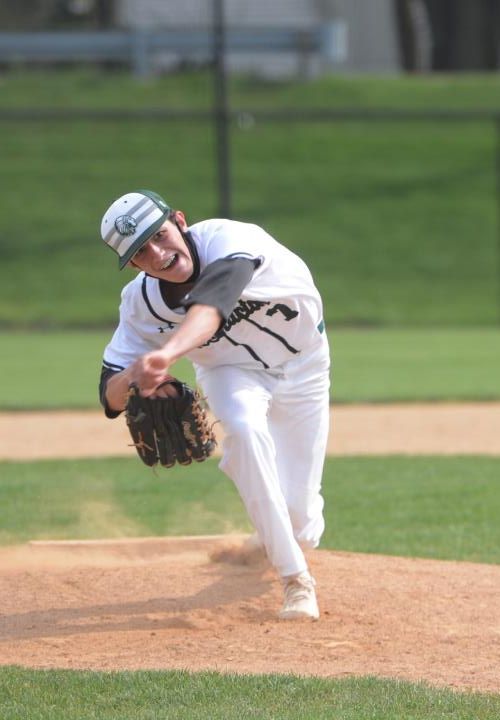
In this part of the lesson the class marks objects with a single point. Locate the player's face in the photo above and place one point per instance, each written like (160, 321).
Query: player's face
(166, 255)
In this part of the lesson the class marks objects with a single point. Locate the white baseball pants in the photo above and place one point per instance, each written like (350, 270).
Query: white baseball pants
(276, 431)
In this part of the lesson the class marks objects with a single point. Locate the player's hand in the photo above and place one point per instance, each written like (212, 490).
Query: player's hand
(149, 371)
(167, 389)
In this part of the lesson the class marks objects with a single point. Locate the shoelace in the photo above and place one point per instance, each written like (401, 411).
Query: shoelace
(298, 589)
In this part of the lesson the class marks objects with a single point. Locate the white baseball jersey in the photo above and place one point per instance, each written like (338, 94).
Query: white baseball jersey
(278, 315)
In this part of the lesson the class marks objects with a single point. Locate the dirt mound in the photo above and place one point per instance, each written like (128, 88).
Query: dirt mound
(203, 603)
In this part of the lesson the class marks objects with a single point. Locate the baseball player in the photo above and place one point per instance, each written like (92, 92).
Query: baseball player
(244, 310)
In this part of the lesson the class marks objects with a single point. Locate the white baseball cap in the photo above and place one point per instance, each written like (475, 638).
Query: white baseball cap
(131, 220)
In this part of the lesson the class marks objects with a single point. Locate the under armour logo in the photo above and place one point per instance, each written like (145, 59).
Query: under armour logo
(169, 326)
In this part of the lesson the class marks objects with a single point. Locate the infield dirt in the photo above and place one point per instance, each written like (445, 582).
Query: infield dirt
(203, 604)
(447, 428)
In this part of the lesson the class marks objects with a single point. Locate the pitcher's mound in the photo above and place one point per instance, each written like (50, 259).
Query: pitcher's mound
(205, 604)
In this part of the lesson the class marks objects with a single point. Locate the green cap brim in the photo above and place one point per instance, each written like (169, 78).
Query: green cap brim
(142, 240)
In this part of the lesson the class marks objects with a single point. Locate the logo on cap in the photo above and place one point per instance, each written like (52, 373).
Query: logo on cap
(125, 224)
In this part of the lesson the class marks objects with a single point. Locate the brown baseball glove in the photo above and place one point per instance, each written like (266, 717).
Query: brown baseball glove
(166, 430)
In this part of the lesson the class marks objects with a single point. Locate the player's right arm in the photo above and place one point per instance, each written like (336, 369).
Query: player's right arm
(148, 371)
(208, 305)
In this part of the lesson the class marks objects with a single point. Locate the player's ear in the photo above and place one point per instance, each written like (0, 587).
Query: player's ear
(180, 220)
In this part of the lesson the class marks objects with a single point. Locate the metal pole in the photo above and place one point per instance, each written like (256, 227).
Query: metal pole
(221, 110)
(497, 128)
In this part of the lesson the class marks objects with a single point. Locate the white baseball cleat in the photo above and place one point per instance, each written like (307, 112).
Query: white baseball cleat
(300, 598)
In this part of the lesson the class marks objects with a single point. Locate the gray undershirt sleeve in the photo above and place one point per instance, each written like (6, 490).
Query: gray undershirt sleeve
(221, 284)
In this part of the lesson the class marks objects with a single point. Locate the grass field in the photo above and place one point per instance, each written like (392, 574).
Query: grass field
(59, 695)
(435, 507)
(61, 369)
(385, 213)
(73, 88)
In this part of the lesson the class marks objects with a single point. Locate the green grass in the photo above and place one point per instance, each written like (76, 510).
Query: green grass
(436, 507)
(59, 695)
(415, 365)
(61, 369)
(49, 370)
(383, 214)
(433, 507)
(114, 498)
(83, 88)
(397, 220)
